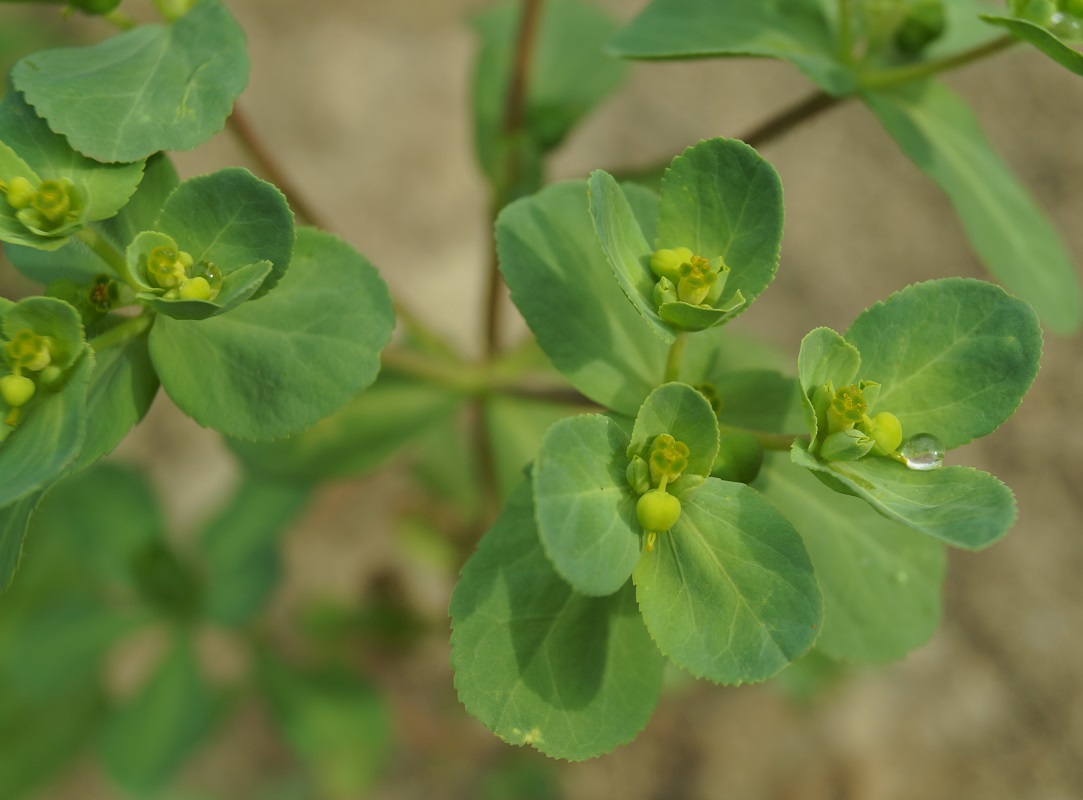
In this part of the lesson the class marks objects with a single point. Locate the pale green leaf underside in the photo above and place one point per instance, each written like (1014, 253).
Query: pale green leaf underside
(277, 364)
(794, 30)
(959, 505)
(729, 592)
(584, 507)
(14, 520)
(625, 248)
(720, 198)
(1010, 233)
(357, 437)
(881, 581)
(685, 414)
(1040, 38)
(562, 284)
(537, 663)
(954, 357)
(825, 357)
(156, 87)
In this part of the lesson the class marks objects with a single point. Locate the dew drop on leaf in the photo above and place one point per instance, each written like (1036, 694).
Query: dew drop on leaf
(922, 452)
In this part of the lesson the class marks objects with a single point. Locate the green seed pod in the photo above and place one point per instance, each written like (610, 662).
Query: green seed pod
(16, 390)
(1040, 12)
(657, 511)
(209, 272)
(846, 445)
(696, 278)
(194, 289)
(51, 378)
(739, 459)
(924, 24)
(19, 192)
(638, 475)
(886, 433)
(667, 263)
(668, 458)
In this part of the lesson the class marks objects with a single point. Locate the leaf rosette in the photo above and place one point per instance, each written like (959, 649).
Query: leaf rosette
(937, 365)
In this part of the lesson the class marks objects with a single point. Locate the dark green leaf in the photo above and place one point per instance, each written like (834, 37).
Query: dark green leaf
(156, 87)
(1041, 38)
(539, 664)
(277, 364)
(1010, 233)
(683, 413)
(729, 593)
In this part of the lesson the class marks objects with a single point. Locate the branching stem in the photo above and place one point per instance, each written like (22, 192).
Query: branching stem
(886, 79)
(124, 331)
(109, 254)
(675, 357)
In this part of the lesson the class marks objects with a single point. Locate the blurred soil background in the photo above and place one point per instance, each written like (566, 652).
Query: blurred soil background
(365, 104)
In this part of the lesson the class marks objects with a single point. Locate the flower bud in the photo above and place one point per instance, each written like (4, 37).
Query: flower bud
(194, 289)
(665, 292)
(19, 191)
(846, 445)
(51, 378)
(667, 263)
(739, 459)
(16, 390)
(657, 511)
(638, 475)
(923, 25)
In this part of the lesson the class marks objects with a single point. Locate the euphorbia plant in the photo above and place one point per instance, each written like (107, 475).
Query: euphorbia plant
(681, 496)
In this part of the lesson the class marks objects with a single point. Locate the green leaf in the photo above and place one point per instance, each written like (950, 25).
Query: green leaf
(760, 400)
(41, 739)
(560, 281)
(537, 663)
(356, 438)
(569, 74)
(683, 413)
(1010, 233)
(14, 520)
(954, 357)
(156, 87)
(585, 509)
(516, 427)
(232, 219)
(47, 439)
(961, 506)
(241, 549)
(825, 357)
(881, 581)
(108, 186)
(729, 592)
(625, 248)
(146, 740)
(720, 198)
(1042, 38)
(793, 30)
(277, 364)
(122, 387)
(75, 261)
(337, 724)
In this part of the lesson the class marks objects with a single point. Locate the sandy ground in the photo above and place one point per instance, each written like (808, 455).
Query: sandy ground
(364, 102)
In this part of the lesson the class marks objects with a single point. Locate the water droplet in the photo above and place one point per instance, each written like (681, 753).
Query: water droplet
(922, 452)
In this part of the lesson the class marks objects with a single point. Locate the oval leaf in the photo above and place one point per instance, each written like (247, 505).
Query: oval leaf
(538, 664)
(156, 87)
(684, 414)
(586, 511)
(729, 593)
(275, 365)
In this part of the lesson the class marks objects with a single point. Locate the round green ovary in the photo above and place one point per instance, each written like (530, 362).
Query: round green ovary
(16, 390)
(657, 511)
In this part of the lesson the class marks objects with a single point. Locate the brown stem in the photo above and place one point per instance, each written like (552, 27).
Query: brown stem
(510, 128)
(242, 128)
(790, 117)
